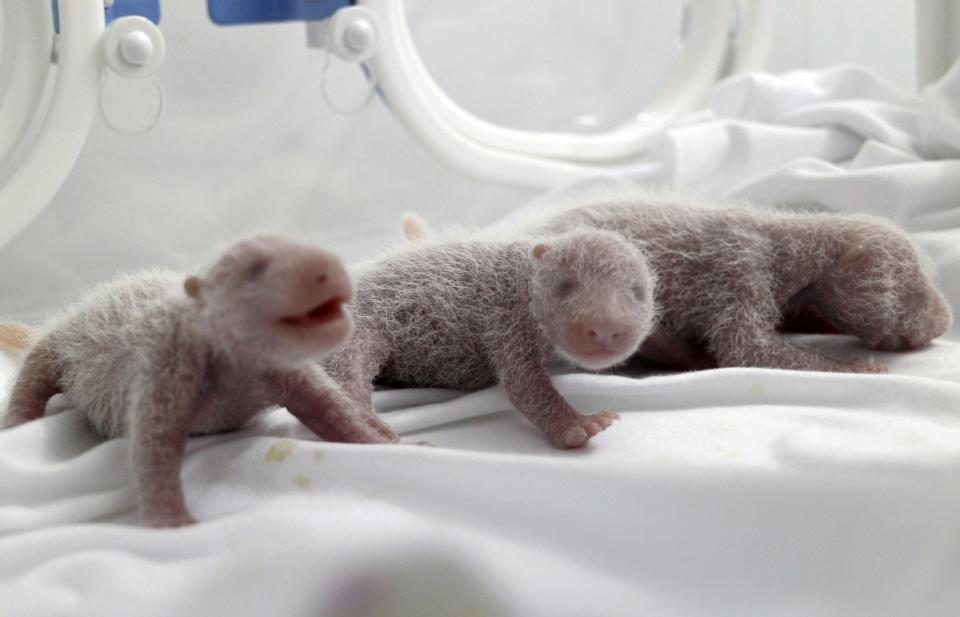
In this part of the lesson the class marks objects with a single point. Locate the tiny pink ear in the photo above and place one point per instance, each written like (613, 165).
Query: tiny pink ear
(192, 286)
(852, 257)
(539, 250)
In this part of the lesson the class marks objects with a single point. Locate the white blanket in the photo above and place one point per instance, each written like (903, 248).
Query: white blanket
(733, 492)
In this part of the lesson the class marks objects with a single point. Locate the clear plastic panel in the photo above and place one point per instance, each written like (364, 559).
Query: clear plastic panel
(549, 65)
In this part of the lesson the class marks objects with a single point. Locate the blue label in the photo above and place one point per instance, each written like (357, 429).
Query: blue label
(121, 8)
(144, 8)
(233, 12)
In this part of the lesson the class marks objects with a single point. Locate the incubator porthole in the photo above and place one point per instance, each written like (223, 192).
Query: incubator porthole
(549, 65)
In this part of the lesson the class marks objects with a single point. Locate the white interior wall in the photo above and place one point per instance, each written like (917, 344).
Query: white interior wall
(909, 42)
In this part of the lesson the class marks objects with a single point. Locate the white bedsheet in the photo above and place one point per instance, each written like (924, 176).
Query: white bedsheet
(733, 492)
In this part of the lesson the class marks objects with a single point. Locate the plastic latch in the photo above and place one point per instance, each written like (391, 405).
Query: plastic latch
(353, 34)
(133, 48)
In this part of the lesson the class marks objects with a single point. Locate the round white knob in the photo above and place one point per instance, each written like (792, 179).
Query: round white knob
(132, 46)
(352, 34)
(136, 47)
(359, 35)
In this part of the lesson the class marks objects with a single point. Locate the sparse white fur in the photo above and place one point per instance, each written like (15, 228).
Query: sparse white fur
(466, 311)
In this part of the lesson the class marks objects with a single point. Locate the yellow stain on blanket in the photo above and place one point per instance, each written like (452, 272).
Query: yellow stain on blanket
(318, 455)
(279, 451)
(912, 439)
(302, 481)
(756, 389)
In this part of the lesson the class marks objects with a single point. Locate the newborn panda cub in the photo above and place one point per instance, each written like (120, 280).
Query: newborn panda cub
(733, 275)
(157, 356)
(470, 313)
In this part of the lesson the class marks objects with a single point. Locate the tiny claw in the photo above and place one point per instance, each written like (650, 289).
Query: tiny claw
(609, 416)
(586, 427)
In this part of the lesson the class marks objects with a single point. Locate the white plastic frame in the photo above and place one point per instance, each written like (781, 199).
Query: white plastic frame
(540, 159)
(27, 186)
(24, 64)
(39, 146)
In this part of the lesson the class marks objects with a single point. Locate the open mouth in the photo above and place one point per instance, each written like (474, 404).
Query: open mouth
(331, 310)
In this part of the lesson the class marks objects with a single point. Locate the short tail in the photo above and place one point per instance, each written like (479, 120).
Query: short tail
(415, 228)
(38, 380)
(16, 336)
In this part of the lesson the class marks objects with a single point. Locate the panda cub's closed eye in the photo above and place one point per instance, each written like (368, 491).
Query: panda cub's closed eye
(565, 287)
(255, 270)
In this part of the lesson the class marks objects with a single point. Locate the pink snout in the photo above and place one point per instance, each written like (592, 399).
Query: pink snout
(323, 275)
(597, 338)
(608, 336)
(323, 287)
(933, 321)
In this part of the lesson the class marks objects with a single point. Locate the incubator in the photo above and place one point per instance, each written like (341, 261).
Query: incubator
(138, 134)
